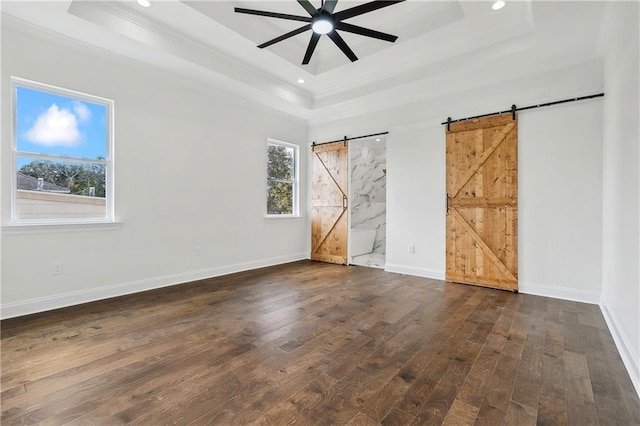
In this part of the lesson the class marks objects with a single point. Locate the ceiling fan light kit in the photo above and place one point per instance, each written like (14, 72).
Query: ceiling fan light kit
(322, 24)
(324, 21)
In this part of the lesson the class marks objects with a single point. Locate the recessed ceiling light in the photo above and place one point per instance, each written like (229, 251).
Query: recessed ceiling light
(301, 80)
(144, 3)
(498, 5)
(378, 140)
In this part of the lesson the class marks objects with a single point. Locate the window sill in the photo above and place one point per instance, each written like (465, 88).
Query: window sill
(41, 228)
(282, 216)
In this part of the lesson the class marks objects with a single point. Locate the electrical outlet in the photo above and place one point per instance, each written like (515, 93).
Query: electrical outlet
(56, 268)
(196, 251)
(412, 249)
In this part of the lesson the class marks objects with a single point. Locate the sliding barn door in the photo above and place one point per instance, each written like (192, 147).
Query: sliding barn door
(482, 202)
(329, 203)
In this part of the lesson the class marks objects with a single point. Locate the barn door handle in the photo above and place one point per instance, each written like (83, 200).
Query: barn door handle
(447, 202)
(344, 202)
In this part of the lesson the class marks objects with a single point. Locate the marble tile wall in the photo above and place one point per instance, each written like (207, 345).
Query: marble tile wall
(369, 189)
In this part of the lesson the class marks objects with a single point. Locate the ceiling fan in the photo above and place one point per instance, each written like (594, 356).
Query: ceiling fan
(325, 21)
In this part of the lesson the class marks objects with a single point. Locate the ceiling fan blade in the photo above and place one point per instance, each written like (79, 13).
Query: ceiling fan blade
(285, 36)
(355, 29)
(312, 46)
(308, 7)
(339, 41)
(272, 14)
(329, 6)
(364, 8)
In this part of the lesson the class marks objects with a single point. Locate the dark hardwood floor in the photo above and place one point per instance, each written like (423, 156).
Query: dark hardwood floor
(314, 343)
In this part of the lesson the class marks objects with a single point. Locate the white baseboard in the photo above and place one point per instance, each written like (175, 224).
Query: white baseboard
(418, 272)
(42, 304)
(556, 292)
(630, 359)
(559, 292)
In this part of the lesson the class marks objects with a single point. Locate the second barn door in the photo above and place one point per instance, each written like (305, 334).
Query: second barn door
(329, 203)
(482, 202)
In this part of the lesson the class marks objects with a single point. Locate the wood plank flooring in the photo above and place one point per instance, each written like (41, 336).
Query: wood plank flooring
(315, 343)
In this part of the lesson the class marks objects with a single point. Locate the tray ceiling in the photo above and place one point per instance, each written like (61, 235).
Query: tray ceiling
(211, 45)
(406, 20)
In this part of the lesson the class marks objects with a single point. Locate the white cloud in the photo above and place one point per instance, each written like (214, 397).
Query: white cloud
(55, 127)
(82, 112)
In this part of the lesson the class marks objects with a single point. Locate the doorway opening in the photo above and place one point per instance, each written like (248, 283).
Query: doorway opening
(368, 195)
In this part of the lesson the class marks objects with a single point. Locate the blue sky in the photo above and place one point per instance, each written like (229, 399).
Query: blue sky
(59, 125)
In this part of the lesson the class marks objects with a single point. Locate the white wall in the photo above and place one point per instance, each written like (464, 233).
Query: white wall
(560, 180)
(560, 201)
(621, 211)
(416, 201)
(190, 171)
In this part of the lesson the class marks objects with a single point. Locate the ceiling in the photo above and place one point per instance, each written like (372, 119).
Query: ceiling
(407, 20)
(211, 45)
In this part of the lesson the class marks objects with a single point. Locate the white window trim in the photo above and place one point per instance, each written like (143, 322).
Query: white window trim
(296, 180)
(110, 151)
(39, 228)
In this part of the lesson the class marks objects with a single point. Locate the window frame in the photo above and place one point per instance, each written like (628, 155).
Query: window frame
(109, 217)
(295, 182)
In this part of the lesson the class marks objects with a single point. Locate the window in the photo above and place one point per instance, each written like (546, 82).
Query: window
(282, 179)
(62, 155)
